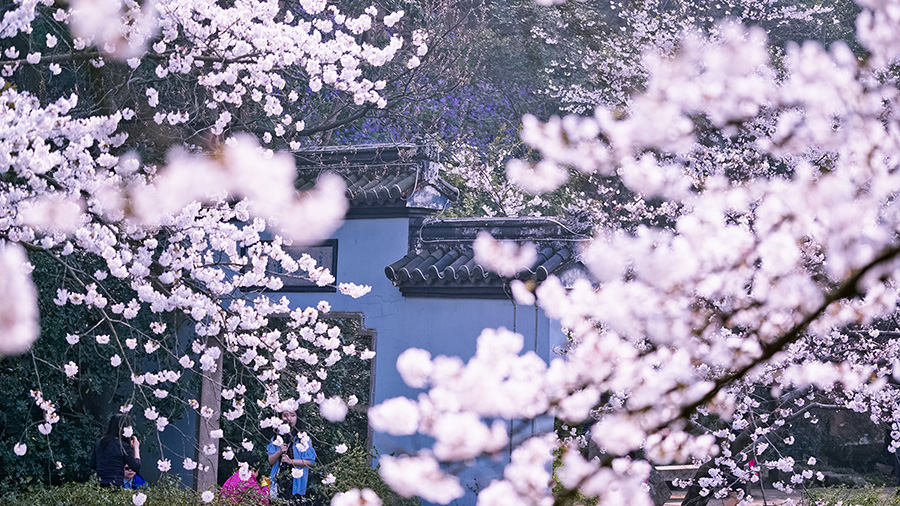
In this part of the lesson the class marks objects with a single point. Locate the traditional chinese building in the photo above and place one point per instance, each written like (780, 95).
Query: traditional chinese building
(427, 289)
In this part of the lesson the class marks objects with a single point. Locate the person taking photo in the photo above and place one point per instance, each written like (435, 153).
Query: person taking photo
(114, 451)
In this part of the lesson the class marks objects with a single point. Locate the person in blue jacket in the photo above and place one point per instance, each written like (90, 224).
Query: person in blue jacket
(132, 479)
(290, 462)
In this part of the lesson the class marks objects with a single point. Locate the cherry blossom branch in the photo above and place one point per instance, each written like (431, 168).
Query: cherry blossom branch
(847, 289)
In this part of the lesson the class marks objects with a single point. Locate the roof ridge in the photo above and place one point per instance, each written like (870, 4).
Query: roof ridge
(389, 177)
(519, 228)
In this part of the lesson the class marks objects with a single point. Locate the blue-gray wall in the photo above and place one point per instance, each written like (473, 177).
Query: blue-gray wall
(443, 326)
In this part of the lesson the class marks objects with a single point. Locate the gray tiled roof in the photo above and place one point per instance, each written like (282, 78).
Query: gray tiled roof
(443, 260)
(387, 175)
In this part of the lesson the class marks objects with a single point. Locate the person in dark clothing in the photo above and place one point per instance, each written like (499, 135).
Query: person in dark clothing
(114, 451)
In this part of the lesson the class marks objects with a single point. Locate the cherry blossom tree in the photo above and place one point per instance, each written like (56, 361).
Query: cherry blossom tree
(592, 54)
(134, 139)
(700, 337)
(695, 336)
(602, 60)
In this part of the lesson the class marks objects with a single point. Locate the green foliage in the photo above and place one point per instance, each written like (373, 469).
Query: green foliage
(356, 473)
(838, 496)
(168, 492)
(84, 402)
(561, 495)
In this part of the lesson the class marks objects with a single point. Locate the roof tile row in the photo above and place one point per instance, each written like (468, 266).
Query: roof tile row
(455, 264)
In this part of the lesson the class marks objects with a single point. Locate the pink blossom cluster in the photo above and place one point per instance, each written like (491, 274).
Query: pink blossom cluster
(201, 235)
(752, 284)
